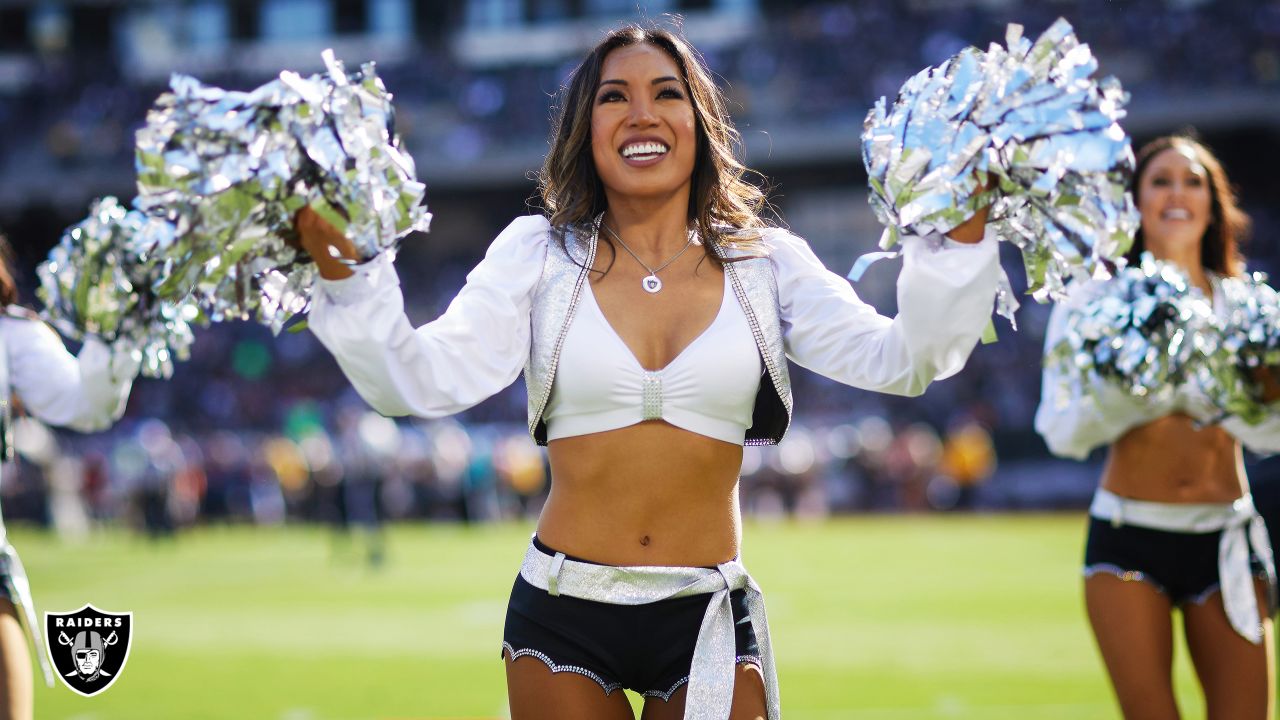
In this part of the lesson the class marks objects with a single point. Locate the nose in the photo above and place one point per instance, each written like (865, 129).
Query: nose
(642, 113)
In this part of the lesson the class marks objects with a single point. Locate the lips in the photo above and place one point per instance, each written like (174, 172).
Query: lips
(1175, 214)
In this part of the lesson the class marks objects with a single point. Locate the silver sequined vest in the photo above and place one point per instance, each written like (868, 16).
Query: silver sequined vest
(556, 299)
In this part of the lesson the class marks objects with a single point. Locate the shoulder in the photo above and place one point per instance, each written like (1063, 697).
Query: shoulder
(523, 240)
(18, 312)
(525, 230)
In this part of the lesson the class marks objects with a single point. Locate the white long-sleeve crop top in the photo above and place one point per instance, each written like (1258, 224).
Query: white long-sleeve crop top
(481, 342)
(86, 392)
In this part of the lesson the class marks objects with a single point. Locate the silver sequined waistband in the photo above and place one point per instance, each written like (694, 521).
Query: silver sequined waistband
(710, 693)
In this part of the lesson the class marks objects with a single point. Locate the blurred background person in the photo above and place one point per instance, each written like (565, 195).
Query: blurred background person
(1173, 498)
(85, 393)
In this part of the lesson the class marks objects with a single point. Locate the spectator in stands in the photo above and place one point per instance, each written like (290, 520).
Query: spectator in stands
(1172, 524)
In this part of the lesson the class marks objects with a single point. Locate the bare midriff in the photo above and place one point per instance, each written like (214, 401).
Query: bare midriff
(646, 494)
(1169, 460)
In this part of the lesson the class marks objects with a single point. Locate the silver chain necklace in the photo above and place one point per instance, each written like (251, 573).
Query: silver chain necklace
(651, 283)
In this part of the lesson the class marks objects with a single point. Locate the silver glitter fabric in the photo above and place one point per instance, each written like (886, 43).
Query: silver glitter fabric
(1148, 330)
(1250, 342)
(710, 693)
(564, 273)
(1030, 119)
(231, 169)
(101, 279)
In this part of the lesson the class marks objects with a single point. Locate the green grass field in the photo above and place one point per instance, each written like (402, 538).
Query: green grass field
(874, 618)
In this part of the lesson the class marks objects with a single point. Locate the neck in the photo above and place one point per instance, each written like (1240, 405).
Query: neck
(655, 228)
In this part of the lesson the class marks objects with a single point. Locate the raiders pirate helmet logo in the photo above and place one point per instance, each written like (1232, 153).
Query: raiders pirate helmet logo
(88, 647)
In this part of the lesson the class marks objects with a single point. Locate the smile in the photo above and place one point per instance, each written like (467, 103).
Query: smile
(1175, 214)
(644, 151)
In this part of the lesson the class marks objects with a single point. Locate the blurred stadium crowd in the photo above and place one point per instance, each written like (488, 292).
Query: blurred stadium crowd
(260, 428)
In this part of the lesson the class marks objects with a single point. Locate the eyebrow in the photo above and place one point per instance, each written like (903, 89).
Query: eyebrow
(655, 81)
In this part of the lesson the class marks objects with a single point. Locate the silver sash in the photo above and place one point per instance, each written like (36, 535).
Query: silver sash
(710, 693)
(14, 576)
(1242, 527)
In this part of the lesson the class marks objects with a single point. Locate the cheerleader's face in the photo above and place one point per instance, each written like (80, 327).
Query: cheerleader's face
(643, 127)
(1176, 203)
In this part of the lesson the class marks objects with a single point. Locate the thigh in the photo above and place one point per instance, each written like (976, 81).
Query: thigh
(1132, 622)
(536, 692)
(748, 698)
(1238, 677)
(16, 693)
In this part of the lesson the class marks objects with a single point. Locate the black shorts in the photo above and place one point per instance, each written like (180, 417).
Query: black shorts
(1182, 566)
(646, 648)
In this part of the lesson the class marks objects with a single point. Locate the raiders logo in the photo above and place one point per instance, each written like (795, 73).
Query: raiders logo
(88, 647)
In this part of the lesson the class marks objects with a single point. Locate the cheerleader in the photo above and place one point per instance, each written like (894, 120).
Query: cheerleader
(84, 393)
(653, 313)
(1172, 525)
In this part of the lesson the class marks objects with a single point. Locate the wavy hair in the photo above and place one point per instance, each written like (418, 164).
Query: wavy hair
(8, 288)
(1228, 224)
(723, 206)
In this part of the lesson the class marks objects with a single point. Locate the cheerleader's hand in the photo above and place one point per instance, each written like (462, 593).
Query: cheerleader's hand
(972, 230)
(326, 245)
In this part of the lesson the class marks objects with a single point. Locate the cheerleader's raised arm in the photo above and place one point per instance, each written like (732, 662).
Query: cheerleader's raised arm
(946, 293)
(85, 392)
(472, 351)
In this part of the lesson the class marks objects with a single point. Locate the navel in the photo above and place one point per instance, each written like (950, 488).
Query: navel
(645, 541)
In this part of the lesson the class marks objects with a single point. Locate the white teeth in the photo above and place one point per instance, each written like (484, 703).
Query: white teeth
(1177, 214)
(644, 148)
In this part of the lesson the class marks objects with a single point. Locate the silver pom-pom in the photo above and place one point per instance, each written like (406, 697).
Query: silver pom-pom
(1148, 330)
(98, 280)
(231, 169)
(1028, 118)
(1250, 344)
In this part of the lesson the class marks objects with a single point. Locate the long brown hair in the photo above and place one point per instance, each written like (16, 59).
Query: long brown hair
(8, 288)
(1228, 224)
(722, 204)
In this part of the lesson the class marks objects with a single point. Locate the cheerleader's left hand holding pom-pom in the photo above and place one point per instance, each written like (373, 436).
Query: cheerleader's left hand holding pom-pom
(1027, 121)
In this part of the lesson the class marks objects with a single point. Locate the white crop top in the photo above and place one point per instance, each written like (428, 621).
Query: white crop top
(709, 388)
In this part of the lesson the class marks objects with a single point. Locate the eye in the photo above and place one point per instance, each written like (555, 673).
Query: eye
(1195, 181)
(609, 96)
(671, 93)
(1160, 181)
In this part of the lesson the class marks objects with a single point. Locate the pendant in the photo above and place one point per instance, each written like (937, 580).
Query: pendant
(651, 284)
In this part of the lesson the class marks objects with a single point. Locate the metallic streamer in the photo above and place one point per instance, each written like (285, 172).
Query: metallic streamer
(1250, 343)
(98, 280)
(1028, 119)
(1148, 330)
(230, 170)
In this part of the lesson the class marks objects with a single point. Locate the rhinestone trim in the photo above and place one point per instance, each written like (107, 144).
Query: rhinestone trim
(1123, 574)
(536, 417)
(608, 687)
(652, 396)
(666, 696)
(775, 374)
